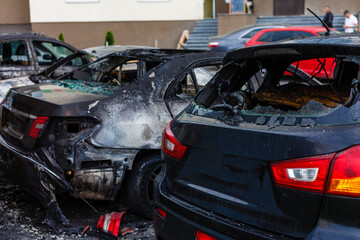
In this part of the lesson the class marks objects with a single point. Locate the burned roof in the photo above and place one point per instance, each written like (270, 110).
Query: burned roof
(32, 36)
(156, 53)
(304, 48)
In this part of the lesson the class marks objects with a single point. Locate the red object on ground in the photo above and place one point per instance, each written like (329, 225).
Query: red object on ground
(126, 230)
(110, 223)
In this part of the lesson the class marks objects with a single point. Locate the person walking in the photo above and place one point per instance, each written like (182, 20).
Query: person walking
(329, 17)
(351, 22)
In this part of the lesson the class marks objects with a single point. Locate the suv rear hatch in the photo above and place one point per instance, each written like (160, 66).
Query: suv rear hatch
(26, 109)
(251, 116)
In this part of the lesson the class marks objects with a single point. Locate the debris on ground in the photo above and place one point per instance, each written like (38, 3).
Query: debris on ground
(22, 216)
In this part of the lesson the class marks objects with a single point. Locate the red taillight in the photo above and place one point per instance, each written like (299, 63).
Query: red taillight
(37, 126)
(344, 177)
(203, 236)
(110, 223)
(306, 173)
(213, 44)
(162, 212)
(170, 145)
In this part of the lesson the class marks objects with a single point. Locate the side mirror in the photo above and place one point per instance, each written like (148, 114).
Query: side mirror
(47, 57)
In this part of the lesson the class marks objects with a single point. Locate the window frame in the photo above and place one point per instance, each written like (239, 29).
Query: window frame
(188, 70)
(30, 67)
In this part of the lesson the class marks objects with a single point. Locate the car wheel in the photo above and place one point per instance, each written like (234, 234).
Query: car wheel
(140, 182)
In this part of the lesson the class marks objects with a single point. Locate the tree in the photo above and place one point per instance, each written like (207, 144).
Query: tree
(109, 38)
(61, 37)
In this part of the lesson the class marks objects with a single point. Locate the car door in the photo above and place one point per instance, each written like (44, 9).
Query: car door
(15, 60)
(180, 93)
(48, 53)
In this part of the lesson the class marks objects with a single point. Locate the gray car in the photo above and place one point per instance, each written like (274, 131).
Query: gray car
(24, 54)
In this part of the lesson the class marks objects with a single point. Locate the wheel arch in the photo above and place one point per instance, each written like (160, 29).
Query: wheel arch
(141, 154)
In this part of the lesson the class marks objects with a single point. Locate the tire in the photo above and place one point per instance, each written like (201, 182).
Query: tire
(139, 185)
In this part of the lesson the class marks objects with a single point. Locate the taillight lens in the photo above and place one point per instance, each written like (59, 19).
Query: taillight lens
(37, 126)
(305, 173)
(162, 212)
(214, 44)
(203, 236)
(344, 178)
(170, 145)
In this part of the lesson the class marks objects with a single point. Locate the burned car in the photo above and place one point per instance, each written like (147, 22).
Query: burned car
(259, 155)
(23, 54)
(90, 130)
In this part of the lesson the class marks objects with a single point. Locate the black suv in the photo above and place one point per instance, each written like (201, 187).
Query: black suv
(264, 154)
(24, 54)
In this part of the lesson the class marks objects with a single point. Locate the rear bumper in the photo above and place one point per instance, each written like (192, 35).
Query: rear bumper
(87, 179)
(183, 219)
(12, 153)
(26, 169)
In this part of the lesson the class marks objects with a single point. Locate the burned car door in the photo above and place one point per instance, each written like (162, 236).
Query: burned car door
(181, 92)
(15, 59)
(48, 53)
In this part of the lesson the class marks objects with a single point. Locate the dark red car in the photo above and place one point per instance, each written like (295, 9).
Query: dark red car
(279, 34)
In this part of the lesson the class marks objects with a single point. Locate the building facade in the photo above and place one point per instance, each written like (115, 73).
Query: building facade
(136, 22)
(14, 16)
(143, 22)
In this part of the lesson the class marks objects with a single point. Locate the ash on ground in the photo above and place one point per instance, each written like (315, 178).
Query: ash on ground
(22, 216)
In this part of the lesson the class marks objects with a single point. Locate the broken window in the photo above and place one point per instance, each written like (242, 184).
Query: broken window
(182, 92)
(48, 53)
(266, 88)
(14, 53)
(107, 75)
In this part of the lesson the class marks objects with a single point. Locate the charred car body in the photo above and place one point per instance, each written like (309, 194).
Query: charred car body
(86, 129)
(23, 55)
(260, 156)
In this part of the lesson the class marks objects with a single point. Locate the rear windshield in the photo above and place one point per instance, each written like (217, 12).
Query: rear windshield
(304, 92)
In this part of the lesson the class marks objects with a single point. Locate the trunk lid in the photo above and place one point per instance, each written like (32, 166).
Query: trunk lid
(23, 105)
(226, 170)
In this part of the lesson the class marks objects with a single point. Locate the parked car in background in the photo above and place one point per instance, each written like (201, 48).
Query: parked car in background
(95, 128)
(236, 39)
(259, 156)
(23, 54)
(281, 34)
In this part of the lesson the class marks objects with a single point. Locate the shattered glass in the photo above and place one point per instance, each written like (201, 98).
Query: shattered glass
(88, 87)
(281, 98)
